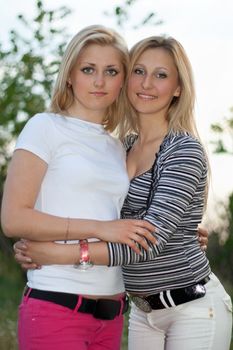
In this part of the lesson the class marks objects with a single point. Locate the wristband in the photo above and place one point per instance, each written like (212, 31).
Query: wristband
(84, 261)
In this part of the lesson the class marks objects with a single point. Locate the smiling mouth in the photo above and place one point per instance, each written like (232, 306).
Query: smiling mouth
(146, 97)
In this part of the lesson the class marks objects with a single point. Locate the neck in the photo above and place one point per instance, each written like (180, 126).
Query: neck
(86, 115)
(151, 129)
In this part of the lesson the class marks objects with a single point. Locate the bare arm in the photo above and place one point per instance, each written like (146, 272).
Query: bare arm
(34, 254)
(20, 219)
(30, 255)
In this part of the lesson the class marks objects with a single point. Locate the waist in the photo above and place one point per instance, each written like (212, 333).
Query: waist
(105, 309)
(99, 280)
(170, 298)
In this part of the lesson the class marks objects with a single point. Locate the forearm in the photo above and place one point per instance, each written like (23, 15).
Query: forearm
(49, 253)
(37, 226)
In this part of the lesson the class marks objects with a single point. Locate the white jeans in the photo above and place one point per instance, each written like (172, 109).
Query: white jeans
(204, 323)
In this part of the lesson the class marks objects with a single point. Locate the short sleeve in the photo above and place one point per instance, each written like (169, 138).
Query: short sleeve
(37, 136)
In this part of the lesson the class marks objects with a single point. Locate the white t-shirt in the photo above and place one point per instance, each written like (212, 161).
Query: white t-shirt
(86, 178)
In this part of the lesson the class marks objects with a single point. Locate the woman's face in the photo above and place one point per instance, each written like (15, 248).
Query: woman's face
(96, 80)
(153, 82)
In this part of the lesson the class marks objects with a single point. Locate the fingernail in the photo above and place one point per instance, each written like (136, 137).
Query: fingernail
(29, 260)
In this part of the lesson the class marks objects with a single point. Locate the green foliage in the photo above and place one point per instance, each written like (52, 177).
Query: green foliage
(223, 130)
(27, 70)
(121, 13)
(12, 281)
(220, 247)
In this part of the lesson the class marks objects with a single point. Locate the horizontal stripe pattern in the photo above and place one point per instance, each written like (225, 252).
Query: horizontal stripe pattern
(176, 209)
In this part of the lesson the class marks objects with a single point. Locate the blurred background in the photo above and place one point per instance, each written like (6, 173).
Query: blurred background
(33, 36)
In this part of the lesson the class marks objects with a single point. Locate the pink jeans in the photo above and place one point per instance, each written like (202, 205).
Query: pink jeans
(47, 326)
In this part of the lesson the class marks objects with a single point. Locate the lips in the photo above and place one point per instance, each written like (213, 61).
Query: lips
(146, 96)
(98, 93)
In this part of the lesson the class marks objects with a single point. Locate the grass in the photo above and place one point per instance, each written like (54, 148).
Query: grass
(11, 286)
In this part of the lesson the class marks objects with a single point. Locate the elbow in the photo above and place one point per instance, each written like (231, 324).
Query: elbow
(8, 230)
(8, 226)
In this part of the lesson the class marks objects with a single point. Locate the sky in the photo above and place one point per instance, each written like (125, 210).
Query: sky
(204, 28)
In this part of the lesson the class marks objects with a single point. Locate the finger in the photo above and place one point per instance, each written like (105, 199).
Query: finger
(204, 247)
(31, 266)
(140, 240)
(21, 259)
(146, 234)
(19, 245)
(133, 246)
(147, 225)
(19, 252)
(203, 241)
(202, 231)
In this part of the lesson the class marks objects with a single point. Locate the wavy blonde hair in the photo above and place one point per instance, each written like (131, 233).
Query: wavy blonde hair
(62, 97)
(181, 111)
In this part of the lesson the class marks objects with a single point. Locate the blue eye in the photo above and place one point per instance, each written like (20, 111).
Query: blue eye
(112, 72)
(161, 75)
(139, 71)
(87, 70)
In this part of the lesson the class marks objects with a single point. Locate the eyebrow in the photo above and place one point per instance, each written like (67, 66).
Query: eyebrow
(93, 64)
(142, 65)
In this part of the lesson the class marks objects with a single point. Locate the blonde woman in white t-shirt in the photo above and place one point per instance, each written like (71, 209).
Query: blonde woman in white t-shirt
(66, 182)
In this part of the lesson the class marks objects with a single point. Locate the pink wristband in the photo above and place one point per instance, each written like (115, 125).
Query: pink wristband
(84, 261)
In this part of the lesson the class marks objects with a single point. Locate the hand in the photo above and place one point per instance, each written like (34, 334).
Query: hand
(31, 254)
(130, 232)
(20, 250)
(202, 237)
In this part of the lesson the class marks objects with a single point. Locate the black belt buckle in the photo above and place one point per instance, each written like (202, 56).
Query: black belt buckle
(106, 309)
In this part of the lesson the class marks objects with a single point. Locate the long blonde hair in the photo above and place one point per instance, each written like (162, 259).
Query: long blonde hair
(63, 97)
(181, 111)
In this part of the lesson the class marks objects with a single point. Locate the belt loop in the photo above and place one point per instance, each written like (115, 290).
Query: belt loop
(79, 302)
(122, 306)
(28, 291)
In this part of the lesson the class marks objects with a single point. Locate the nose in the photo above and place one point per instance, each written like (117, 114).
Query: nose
(147, 82)
(99, 80)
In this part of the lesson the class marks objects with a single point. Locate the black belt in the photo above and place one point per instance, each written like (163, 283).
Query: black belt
(170, 298)
(105, 309)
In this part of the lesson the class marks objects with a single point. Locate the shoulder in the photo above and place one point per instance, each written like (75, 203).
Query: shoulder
(37, 136)
(184, 142)
(183, 149)
(43, 124)
(41, 119)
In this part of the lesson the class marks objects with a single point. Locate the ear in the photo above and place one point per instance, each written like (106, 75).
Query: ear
(68, 83)
(177, 91)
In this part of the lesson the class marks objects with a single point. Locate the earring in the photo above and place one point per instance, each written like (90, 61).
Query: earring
(68, 84)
